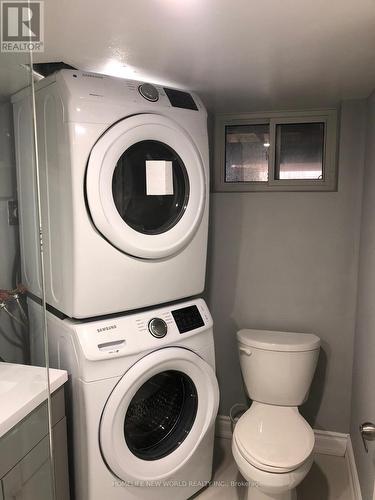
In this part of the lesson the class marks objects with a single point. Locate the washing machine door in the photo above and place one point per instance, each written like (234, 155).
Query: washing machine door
(157, 415)
(145, 186)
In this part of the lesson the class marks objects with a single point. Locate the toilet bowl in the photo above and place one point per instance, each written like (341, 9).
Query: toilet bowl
(263, 485)
(272, 443)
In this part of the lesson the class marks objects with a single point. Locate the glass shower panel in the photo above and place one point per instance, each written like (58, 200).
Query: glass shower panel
(26, 469)
(14, 338)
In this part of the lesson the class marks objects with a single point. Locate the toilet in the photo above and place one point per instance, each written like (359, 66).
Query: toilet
(272, 443)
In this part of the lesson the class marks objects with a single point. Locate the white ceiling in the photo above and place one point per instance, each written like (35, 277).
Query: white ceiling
(237, 54)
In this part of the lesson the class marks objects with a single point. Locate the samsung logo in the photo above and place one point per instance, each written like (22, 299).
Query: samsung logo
(106, 328)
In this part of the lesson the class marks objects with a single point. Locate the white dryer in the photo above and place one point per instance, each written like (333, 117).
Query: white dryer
(124, 193)
(144, 398)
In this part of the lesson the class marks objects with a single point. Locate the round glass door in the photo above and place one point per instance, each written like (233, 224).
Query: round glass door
(157, 414)
(150, 213)
(160, 415)
(146, 186)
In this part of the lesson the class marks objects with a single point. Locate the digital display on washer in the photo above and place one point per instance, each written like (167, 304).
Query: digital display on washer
(180, 99)
(187, 318)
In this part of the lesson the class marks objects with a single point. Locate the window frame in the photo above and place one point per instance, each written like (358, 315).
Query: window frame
(326, 116)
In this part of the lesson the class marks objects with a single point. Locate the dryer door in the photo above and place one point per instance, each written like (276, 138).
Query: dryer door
(157, 415)
(146, 186)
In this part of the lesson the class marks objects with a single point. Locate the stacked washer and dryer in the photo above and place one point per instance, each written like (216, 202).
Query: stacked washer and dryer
(123, 171)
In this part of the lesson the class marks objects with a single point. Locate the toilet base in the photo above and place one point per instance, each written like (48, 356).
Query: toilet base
(254, 493)
(264, 485)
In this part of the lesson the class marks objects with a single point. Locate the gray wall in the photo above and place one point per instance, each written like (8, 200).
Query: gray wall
(363, 396)
(288, 261)
(7, 192)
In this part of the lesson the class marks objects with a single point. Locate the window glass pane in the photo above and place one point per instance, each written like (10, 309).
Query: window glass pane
(299, 151)
(246, 153)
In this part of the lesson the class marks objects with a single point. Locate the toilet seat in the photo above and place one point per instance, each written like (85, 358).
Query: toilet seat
(269, 482)
(262, 467)
(274, 438)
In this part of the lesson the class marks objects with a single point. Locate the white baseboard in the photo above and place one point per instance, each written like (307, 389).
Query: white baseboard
(223, 427)
(352, 471)
(326, 442)
(330, 443)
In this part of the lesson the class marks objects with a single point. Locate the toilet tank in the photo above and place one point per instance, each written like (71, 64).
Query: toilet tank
(278, 367)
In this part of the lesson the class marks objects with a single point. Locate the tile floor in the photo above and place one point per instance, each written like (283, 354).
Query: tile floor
(327, 480)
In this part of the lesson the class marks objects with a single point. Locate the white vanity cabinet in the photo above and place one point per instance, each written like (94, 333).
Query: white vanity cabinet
(25, 468)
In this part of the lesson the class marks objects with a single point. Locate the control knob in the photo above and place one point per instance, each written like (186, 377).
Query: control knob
(149, 92)
(157, 327)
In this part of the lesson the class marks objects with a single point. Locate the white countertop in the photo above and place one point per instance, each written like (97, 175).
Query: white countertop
(22, 389)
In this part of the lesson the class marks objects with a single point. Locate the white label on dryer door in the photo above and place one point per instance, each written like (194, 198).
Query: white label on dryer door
(159, 177)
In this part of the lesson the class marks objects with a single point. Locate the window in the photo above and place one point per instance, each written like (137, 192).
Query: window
(299, 151)
(290, 151)
(246, 154)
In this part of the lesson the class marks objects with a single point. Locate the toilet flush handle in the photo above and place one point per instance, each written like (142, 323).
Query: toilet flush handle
(245, 350)
(367, 431)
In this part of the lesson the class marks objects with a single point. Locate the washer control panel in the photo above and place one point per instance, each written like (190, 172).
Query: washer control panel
(149, 92)
(129, 334)
(157, 327)
(187, 318)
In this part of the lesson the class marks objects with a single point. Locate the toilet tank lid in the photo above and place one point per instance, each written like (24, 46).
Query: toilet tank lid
(270, 340)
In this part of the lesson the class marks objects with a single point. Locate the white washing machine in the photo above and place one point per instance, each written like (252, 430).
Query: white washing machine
(144, 398)
(124, 192)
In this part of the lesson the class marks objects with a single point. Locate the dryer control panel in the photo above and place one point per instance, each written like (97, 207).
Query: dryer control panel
(149, 92)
